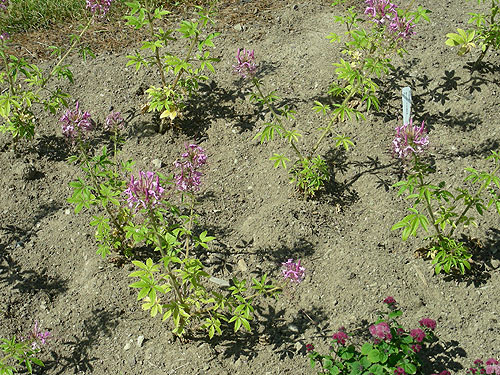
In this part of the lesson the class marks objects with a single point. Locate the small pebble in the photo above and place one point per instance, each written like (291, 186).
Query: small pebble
(140, 340)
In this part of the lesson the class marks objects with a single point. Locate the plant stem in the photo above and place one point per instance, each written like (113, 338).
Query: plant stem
(157, 53)
(275, 115)
(472, 201)
(428, 205)
(332, 120)
(159, 243)
(187, 243)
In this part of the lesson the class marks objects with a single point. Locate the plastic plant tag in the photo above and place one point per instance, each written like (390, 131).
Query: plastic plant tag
(406, 105)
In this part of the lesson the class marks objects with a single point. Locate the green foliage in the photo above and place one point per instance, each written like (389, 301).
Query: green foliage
(486, 32)
(101, 187)
(187, 72)
(21, 353)
(377, 357)
(446, 211)
(310, 175)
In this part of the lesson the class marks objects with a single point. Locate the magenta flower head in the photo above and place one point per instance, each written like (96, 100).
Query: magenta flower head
(145, 192)
(409, 140)
(189, 177)
(75, 123)
(114, 122)
(246, 66)
(309, 347)
(293, 271)
(399, 371)
(99, 7)
(401, 28)
(417, 334)
(340, 337)
(390, 301)
(380, 11)
(381, 331)
(4, 4)
(428, 323)
(4, 37)
(37, 337)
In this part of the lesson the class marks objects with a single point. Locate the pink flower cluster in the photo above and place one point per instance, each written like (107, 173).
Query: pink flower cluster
(409, 140)
(293, 271)
(75, 123)
(37, 337)
(189, 178)
(114, 122)
(340, 337)
(246, 66)
(99, 7)
(381, 331)
(145, 192)
(491, 367)
(383, 12)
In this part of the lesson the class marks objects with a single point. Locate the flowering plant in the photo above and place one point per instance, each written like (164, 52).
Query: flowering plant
(486, 32)
(491, 366)
(103, 180)
(169, 99)
(391, 349)
(23, 351)
(177, 286)
(17, 101)
(368, 53)
(309, 173)
(442, 206)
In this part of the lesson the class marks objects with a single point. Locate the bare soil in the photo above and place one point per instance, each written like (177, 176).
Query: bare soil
(49, 270)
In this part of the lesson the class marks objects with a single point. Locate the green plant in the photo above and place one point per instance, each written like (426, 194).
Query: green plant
(486, 32)
(444, 210)
(177, 287)
(187, 72)
(392, 349)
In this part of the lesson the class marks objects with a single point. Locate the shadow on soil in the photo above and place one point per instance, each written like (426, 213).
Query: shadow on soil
(76, 357)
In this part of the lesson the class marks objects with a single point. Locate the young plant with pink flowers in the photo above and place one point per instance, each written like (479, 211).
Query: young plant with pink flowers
(443, 210)
(20, 354)
(310, 172)
(490, 367)
(103, 178)
(179, 76)
(178, 287)
(27, 84)
(391, 350)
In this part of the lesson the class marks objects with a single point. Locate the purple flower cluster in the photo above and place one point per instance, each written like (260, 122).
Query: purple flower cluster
(293, 271)
(380, 11)
(37, 337)
(144, 192)
(4, 4)
(75, 123)
(246, 66)
(428, 323)
(399, 371)
(409, 140)
(189, 178)
(99, 7)
(114, 122)
(383, 12)
(491, 367)
(417, 334)
(381, 331)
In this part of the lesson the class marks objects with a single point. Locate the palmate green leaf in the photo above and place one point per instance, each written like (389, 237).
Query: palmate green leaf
(279, 160)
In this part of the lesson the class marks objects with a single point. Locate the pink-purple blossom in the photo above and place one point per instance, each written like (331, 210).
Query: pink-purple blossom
(114, 122)
(4, 36)
(37, 337)
(390, 300)
(401, 27)
(189, 177)
(417, 334)
(399, 371)
(380, 11)
(99, 7)
(144, 192)
(246, 66)
(428, 323)
(309, 347)
(409, 140)
(75, 123)
(416, 347)
(4, 4)
(293, 271)
(340, 337)
(381, 331)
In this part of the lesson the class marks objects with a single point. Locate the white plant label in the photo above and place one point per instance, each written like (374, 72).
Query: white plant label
(406, 105)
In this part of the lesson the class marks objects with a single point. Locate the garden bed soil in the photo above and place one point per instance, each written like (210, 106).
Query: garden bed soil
(49, 270)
